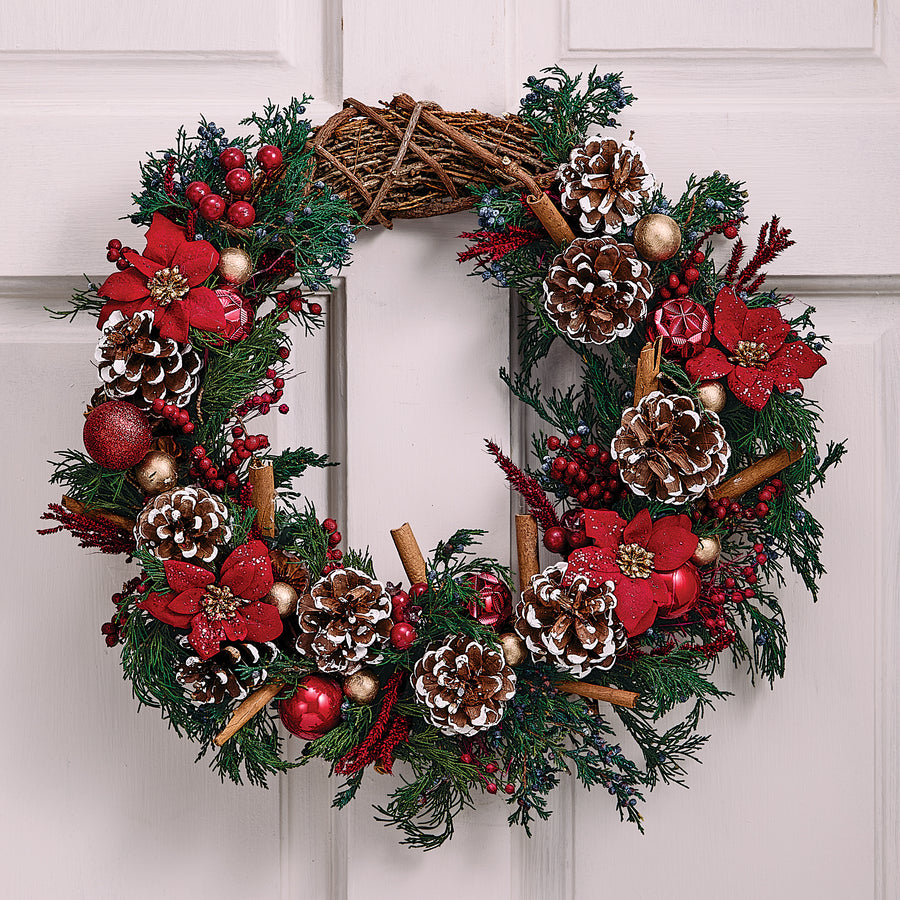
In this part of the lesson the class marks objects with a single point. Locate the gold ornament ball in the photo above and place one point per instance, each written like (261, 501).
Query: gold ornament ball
(712, 395)
(283, 597)
(657, 237)
(707, 551)
(156, 472)
(235, 265)
(361, 687)
(514, 651)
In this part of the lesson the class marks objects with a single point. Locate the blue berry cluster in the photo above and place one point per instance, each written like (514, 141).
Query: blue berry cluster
(212, 140)
(488, 215)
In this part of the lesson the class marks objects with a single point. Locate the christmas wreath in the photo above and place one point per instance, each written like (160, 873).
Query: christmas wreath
(669, 483)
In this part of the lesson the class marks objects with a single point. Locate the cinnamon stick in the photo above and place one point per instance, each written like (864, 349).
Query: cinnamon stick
(247, 709)
(551, 218)
(600, 692)
(762, 470)
(646, 379)
(409, 553)
(98, 515)
(262, 479)
(527, 547)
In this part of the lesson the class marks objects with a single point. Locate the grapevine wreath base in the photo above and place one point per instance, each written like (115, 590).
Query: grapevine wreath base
(670, 483)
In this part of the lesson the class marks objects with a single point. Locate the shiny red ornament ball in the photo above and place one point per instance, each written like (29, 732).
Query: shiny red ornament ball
(492, 603)
(684, 590)
(313, 709)
(241, 214)
(238, 181)
(555, 539)
(117, 435)
(269, 157)
(232, 158)
(196, 191)
(212, 207)
(238, 314)
(403, 635)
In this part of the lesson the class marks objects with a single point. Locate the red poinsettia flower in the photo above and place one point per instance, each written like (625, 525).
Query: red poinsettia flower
(633, 554)
(758, 357)
(227, 610)
(167, 279)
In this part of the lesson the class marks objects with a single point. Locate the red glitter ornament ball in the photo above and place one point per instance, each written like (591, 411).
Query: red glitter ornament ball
(684, 590)
(492, 603)
(117, 435)
(238, 314)
(314, 708)
(555, 539)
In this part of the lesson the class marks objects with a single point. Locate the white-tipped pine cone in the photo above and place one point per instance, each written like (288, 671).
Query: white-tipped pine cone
(605, 182)
(464, 685)
(186, 523)
(570, 620)
(345, 621)
(669, 450)
(138, 365)
(597, 290)
(219, 679)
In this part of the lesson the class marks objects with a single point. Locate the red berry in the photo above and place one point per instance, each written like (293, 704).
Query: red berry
(577, 539)
(575, 441)
(278, 382)
(674, 281)
(491, 768)
(269, 157)
(205, 463)
(729, 582)
(336, 554)
(212, 207)
(114, 244)
(403, 635)
(466, 758)
(697, 257)
(183, 417)
(665, 293)
(237, 431)
(762, 509)
(270, 373)
(284, 352)
(233, 480)
(284, 409)
(196, 191)
(122, 264)
(761, 558)
(252, 443)
(510, 789)
(241, 214)
(335, 538)
(238, 181)
(730, 232)
(592, 450)
(329, 525)
(553, 443)
(232, 158)
(737, 596)
(198, 452)
(219, 485)
(315, 308)
(296, 306)
(682, 289)
(554, 539)
(747, 571)
(491, 788)
(170, 410)
(758, 548)
(692, 275)
(765, 496)
(113, 255)
(158, 405)
(418, 589)
(212, 473)
(284, 316)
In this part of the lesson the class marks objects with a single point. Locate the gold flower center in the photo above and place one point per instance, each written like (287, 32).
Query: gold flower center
(220, 602)
(168, 285)
(635, 561)
(750, 354)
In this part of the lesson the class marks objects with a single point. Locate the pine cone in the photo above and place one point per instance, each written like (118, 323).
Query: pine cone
(138, 365)
(345, 620)
(597, 290)
(669, 450)
(464, 685)
(185, 523)
(218, 679)
(606, 182)
(566, 614)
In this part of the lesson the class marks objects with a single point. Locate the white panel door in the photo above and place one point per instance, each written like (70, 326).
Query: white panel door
(798, 796)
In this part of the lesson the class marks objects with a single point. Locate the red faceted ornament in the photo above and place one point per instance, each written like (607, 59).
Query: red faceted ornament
(117, 435)
(685, 327)
(684, 590)
(241, 214)
(238, 181)
(238, 313)
(314, 708)
(492, 603)
(269, 157)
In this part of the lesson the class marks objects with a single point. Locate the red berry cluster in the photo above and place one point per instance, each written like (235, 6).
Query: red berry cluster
(180, 418)
(262, 403)
(406, 613)
(678, 285)
(725, 508)
(239, 181)
(114, 627)
(333, 554)
(487, 773)
(589, 473)
(115, 252)
(291, 301)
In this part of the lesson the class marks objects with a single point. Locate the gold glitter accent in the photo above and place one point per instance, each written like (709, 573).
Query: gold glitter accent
(750, 354)
(168, 285)
(635, 561)
(220, 602)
